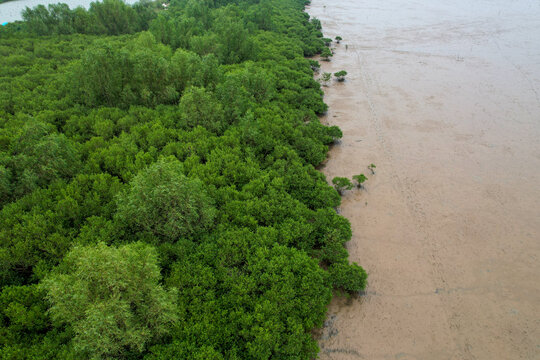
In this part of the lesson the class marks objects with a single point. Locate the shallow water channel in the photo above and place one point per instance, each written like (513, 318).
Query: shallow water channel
(444, 97)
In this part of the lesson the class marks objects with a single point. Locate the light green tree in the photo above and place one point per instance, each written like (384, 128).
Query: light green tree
(165, 203)
(111, 298)
(325, 78)
(315, 66)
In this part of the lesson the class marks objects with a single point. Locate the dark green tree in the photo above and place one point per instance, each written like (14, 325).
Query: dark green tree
(349, 278)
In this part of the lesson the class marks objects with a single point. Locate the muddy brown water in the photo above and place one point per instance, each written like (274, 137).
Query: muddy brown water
(444, 97)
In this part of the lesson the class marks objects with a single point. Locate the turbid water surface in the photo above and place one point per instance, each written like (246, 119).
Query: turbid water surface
(444, 97)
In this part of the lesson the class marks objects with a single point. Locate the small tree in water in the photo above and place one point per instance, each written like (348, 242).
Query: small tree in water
(360, 179)
(326, 78)
(371, 168)
(341, 184)
(340, 75)
(338, 39)
(327, 41)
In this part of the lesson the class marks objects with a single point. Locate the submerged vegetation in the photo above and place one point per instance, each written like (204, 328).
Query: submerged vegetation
(340, 75)
(325, 78)
(158, 191)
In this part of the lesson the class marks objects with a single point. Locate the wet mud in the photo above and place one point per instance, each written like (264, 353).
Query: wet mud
(444, 97)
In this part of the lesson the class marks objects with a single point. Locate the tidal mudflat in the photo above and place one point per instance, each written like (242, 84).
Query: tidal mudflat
(444, 97)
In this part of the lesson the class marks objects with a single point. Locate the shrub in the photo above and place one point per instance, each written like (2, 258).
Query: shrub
(326, 54)
(360, 179)
(341, 184)
(340, 75)
(347, 277)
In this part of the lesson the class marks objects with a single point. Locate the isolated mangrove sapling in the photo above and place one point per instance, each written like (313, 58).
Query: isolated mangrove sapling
(338, 39)
(371, 168)
(360, 179)
(341, 184)
(325, 78)
(340, 75)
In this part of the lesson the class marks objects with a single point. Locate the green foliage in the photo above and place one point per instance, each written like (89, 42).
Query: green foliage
(340, 75)
(338, 39)
(316, 23)
(360, 179)
(325, 78)
(141, 73)
(166, 204)
(37, 230)
(327, 41)
(326, 54)
(341, 184)
(371, 168)
(110, 17)
(111, 299)
(350, 278)
(200, 108)
(315, 66)
(200, 137)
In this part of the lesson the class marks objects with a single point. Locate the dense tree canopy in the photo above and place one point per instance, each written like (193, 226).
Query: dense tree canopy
(111, 298)
(159, 196)
(166, 204)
